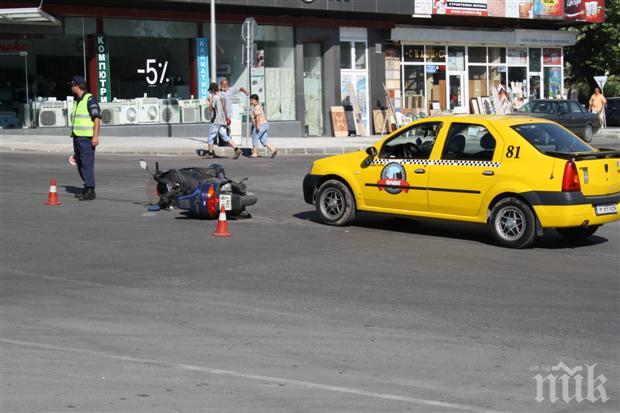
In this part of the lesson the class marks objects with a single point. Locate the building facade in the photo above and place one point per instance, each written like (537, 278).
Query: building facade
(148, 61)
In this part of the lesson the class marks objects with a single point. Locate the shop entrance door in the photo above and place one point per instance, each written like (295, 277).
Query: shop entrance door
(456, 92)
(313, 93)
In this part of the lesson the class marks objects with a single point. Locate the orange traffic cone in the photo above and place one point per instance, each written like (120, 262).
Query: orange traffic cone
(222, 225)
(52, 196)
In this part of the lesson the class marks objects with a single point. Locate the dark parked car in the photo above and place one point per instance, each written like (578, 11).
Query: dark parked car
(568, 113)
(612, 112)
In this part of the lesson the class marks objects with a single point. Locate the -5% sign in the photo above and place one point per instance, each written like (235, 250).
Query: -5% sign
(155, 71)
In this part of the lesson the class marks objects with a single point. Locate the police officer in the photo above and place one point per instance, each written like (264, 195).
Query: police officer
(85, 124)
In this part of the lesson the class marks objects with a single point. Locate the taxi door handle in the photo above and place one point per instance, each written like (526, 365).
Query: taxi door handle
(420, 171)
(488, 173)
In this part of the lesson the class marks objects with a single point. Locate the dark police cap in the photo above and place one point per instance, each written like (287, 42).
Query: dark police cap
(77, 80)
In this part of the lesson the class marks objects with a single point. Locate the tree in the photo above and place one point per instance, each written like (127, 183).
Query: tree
(597, 50)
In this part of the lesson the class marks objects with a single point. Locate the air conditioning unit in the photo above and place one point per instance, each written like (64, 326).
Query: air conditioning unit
(170, 111)
(129, 113)
(190, 111)
(205, 112)
(148, 110)
(110, 113)
(53, 114)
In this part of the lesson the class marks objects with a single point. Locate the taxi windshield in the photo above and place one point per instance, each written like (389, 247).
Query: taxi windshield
(539, 106)
(549, 137)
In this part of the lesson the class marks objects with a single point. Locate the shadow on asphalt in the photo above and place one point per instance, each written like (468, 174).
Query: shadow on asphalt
(451, 229)
(72, 189)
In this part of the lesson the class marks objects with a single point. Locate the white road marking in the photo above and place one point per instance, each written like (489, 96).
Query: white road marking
(256, 377)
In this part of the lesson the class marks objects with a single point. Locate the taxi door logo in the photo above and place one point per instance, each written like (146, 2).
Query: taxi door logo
(393, 179)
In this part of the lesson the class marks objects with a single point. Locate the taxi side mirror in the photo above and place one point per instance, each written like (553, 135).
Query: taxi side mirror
(371, 151)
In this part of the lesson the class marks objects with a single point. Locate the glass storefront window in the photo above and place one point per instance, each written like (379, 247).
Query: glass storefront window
(534, 87)
(478, 81)
(436, 86)
(414, 87)
(149, 29)
(456, 58)
(413, 53)
(517, 78)
(477, 54)
(497, 75)
(552, 56)
(553, 82)
(517, 56)
(345, 55)
(276, 42)
(535, 60)
(143, 66)
(360, 55)
(436, 54)
(497, 55)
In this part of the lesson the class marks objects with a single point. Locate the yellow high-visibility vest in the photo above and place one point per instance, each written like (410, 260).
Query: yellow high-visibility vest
(82, 125)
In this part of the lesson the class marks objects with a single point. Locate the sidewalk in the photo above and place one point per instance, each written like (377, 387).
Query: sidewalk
(182, 146)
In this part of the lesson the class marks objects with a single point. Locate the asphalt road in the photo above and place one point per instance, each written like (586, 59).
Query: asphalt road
(108, 308)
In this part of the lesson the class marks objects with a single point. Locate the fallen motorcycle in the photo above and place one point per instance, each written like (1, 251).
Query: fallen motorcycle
(201, 191)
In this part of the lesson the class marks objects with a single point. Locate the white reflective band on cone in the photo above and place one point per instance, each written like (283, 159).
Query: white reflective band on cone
(53, 188)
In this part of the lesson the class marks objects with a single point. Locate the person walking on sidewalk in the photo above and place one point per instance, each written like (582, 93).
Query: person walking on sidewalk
(85, 125)
(260, 128)
(218, 122)
(228, 93)
(597, 105)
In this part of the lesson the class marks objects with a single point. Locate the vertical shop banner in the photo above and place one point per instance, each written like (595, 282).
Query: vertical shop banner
(202, 71)
(103, 68)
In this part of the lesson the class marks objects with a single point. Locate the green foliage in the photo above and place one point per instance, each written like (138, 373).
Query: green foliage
(597, 51)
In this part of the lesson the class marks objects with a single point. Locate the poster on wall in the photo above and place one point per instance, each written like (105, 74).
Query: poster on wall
(460, 8)
(552, 56)
(202, 72)
(103, 68)
(585, 10)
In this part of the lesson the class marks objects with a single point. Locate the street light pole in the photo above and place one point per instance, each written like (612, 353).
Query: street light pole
(213, 51)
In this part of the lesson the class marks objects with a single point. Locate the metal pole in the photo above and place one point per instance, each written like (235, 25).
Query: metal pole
(248, 63)
(213, 54)
(84, 49)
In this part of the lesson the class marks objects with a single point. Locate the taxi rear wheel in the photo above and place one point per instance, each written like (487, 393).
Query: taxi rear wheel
(577, 233)
(335, 203)
(513, 223)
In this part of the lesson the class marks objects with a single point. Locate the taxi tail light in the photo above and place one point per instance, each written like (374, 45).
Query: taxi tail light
(211, 201)
(570, 180)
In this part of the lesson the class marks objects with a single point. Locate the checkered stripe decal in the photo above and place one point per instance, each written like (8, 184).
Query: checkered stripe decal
(467, 163)
(488, 164)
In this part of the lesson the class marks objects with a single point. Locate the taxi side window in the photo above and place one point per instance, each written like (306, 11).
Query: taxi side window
(468, 142)
(415, 142)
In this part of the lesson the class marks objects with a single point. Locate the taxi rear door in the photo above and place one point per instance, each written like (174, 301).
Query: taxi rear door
(465, 169)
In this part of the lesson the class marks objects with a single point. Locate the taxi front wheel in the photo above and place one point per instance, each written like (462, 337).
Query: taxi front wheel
(513, 223)
(335, 203)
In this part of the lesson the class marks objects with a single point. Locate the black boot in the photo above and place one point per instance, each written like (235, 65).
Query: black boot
(88, 195)
(79, 194)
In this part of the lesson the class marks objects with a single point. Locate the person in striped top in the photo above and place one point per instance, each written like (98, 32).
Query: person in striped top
(260, 128)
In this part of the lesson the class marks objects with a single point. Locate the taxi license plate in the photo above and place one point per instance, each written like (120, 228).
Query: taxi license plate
(226, 202)
(609, 209)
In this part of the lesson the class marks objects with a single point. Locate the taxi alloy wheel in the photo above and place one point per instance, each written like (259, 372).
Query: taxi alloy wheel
(513, 223)
(335, 203)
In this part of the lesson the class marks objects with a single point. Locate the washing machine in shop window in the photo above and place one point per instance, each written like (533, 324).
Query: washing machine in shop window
(129, 113)
(148, 110)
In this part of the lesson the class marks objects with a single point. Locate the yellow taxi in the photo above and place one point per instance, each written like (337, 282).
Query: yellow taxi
(518, 175)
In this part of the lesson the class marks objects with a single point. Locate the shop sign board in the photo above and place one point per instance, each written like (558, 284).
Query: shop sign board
(104, 93)
(580, 10)
(202, 71)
